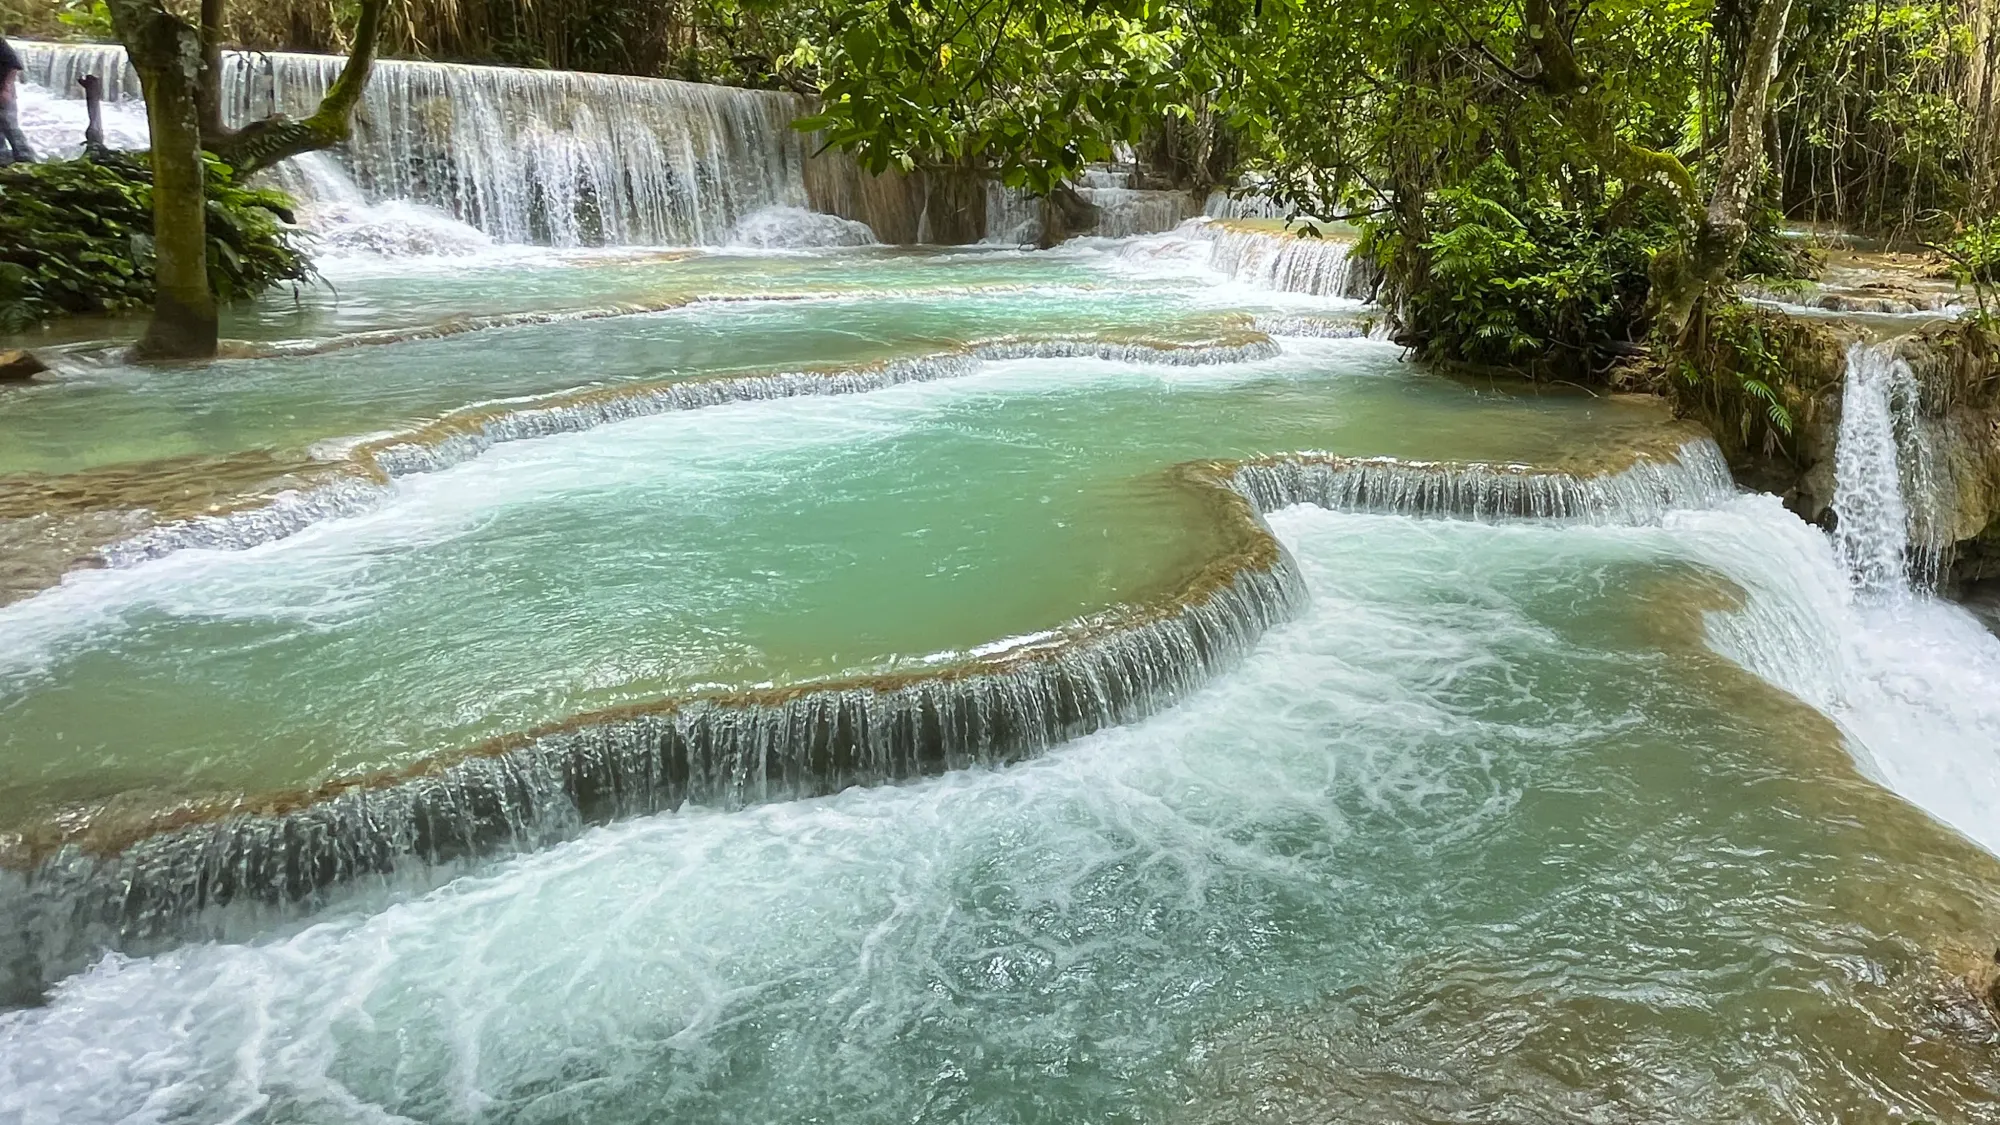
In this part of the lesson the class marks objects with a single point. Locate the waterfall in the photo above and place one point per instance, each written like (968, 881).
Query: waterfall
(1222, 205)
(55, 120)
(223, 872)
(355, 484)
(226, 868)
(1847, 624)
(1124, 212)
(1013, 217)
(1124, 208)
(1272, 259)
(1693, 475)
(1888, 498)
(552, 157)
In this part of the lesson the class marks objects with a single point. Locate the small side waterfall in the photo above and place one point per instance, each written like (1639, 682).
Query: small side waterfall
(1125, 209)
(554, 157)
(1693, 475)
(1848, 623)
(1013, 217)
(1888, 496)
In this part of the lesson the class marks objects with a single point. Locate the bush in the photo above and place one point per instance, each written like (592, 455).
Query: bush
(76, 236)
(1527, 283)
(1974, 261)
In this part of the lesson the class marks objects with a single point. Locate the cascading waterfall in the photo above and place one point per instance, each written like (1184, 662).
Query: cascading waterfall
(206, 875)
(1250, 205)
(1696, 475)
(1124, 212)
(460, 437)
(55, 124)
(1014, 218)
(1888, 498)
(233, 868)
(1124, 209)
(1320, 267)
(522, 155)
(1848, 622)
(795, 228)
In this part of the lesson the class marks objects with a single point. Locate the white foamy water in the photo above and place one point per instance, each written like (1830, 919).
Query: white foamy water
(552, 157)
(1892, 495)
(1914, 682)
(55, 123)
(1359, 818)
(987, 915)
(1873, 536)
(795, 228)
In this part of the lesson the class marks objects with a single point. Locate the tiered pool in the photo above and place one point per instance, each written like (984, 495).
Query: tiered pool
(886, 685)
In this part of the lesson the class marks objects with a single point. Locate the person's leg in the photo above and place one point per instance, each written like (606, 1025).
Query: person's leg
(11, 136)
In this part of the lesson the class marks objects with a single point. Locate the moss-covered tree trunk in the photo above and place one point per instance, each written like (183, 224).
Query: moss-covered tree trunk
(180, 69)
(167, 53)
(261, 144)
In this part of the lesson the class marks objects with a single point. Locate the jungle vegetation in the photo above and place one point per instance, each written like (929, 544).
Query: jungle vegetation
(1549, 185)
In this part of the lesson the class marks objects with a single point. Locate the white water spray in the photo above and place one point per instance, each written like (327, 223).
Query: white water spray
(1887, 496)
(524, 156)
(1850, 626)
(1873, 534)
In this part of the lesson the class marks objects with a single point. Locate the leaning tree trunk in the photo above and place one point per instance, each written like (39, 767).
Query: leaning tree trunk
(1679, 287)
(167, 53)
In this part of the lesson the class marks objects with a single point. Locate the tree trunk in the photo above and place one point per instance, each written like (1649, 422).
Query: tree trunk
(1725, 225)
(167, 54)
(1065, 214)
(93, 106)
(1986, 161)
(208, 90)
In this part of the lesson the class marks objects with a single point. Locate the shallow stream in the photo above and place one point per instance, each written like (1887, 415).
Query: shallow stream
(1040, 757)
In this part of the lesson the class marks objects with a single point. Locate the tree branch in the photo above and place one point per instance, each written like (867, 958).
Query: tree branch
(261, 144)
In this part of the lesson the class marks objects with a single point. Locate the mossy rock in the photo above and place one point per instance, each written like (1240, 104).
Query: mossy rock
(1768, 386)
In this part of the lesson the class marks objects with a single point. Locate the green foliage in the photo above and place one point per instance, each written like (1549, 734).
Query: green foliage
(1974, 258)
(76, 237)
(1738, 375)
(55, 19)
(85, 19)
(1775, 261)
(1516, 279)
(1520, 199)
(1030, 92)
(1975, 254)
(1881, 126)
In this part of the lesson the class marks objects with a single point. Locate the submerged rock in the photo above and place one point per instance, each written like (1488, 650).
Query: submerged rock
(18, 365)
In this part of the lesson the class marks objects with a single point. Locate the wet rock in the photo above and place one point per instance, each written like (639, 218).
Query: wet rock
(18, 365)
(1066, 214)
